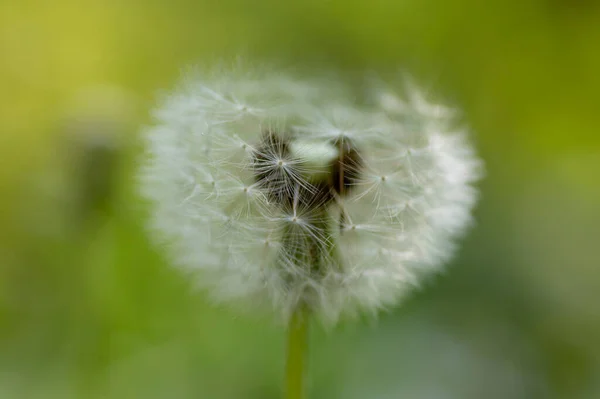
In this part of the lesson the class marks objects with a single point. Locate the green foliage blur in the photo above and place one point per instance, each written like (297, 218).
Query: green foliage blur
(89, 308)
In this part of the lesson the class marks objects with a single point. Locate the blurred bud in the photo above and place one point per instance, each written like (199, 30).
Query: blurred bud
(96, 124)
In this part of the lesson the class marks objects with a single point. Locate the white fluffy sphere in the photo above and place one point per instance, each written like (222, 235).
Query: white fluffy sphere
(278, 191)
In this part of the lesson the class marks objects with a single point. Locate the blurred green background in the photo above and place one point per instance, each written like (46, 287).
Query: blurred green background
(90, 309)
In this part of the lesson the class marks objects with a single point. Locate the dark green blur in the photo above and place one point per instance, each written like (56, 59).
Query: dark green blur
(90, 309)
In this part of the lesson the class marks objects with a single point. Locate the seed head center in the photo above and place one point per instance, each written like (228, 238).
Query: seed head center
(295, 171)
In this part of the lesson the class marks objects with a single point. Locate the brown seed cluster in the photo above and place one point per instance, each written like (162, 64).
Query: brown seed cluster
(279, 173)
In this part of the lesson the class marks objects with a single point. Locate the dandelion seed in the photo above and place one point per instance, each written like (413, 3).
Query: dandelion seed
(281, 192)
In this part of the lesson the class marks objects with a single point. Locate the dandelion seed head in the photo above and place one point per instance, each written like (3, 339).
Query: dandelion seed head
(273, 191)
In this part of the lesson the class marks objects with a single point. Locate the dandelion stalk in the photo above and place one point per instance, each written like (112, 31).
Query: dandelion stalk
(297, 347)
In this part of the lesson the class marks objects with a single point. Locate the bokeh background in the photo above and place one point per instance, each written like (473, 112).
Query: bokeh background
(90, 309)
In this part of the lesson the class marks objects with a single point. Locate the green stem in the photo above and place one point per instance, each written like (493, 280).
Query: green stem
(297, 343)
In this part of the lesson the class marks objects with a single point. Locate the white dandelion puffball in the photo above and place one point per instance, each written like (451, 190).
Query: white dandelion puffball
(278, 192)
